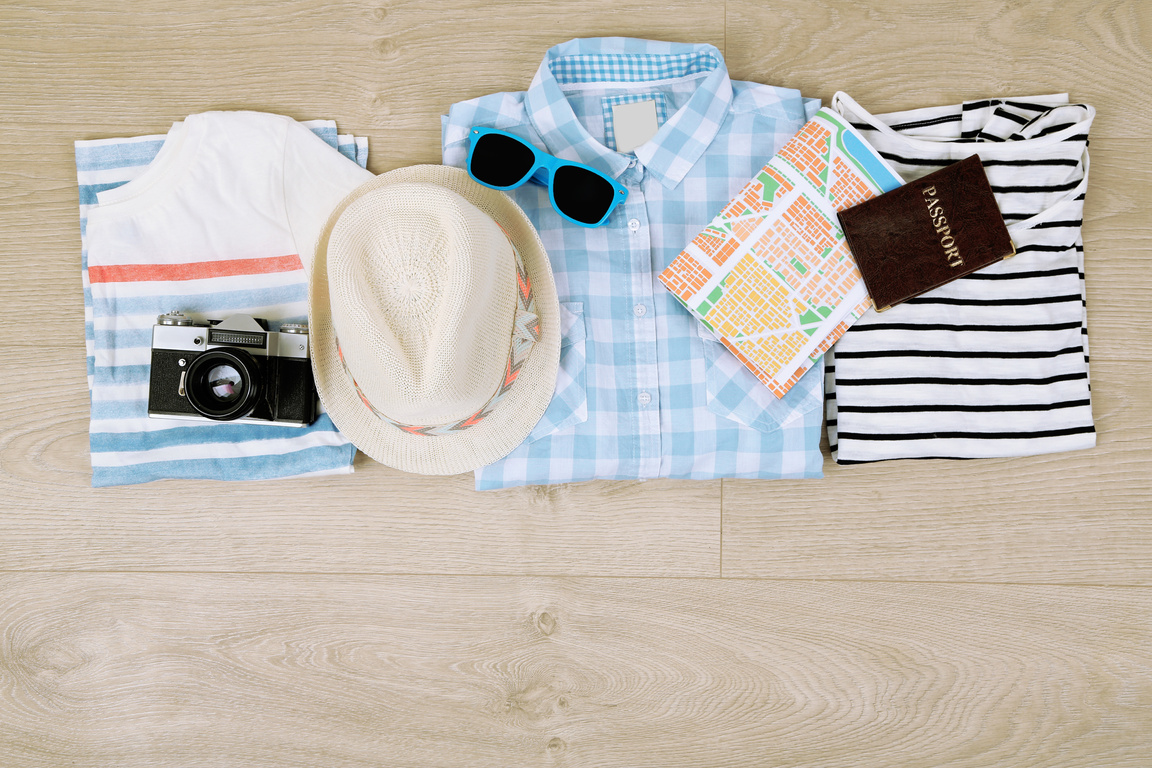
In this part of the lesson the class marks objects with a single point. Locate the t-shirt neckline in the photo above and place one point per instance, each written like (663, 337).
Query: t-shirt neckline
(994, 149)
(997, 150)
(162, 172)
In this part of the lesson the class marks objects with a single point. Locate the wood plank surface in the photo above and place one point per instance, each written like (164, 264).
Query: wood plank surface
(960, 614)
(383, 70)
(378, 520)
(135, 670)
(1072, 518)
(902, 54)
(386, 70)
(1062, 518)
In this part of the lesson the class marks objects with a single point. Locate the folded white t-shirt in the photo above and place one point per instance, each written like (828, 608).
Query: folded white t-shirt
(222, 220)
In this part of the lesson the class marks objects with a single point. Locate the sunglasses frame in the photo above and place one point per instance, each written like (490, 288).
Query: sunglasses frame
(542, 161)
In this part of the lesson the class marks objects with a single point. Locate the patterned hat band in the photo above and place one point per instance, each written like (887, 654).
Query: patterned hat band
(525, 334)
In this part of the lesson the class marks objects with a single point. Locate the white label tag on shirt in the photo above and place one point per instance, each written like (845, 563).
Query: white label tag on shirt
(633, 124)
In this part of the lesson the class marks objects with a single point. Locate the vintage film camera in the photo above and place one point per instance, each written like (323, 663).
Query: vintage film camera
(231, 370)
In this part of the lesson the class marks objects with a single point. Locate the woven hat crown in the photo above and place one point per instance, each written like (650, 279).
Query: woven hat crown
(423, 293)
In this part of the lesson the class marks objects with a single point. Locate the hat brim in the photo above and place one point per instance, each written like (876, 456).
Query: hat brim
(509, 423)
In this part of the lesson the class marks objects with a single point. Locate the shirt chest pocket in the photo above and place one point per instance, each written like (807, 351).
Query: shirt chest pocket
(569, 403)
(734, 392)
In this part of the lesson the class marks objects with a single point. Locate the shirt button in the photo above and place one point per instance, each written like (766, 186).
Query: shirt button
(644, 398)
(639, 310)
(633, 224)
(632, 163)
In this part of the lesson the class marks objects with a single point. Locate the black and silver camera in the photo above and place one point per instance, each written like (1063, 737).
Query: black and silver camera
(231, 370)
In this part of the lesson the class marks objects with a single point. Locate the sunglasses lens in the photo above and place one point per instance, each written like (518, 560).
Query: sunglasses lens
(500, 160)
(581, 194)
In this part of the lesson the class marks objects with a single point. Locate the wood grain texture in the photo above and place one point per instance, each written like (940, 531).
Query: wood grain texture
(385, 70)
(378, 520)
(1070, 518)
(1063, 518)
(384, 619)
(902, 54)
(134, 670)
(1083, 515)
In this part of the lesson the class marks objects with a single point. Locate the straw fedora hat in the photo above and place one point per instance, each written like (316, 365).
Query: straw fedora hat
(434, 321)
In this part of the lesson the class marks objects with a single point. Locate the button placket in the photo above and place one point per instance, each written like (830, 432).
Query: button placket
(647, 376)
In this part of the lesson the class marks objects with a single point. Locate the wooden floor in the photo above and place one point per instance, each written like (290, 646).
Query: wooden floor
(983, 613)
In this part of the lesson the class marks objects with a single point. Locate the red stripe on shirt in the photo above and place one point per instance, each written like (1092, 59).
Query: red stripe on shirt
(195, 270)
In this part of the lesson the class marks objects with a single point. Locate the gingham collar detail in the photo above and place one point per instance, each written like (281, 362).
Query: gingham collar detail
(681, 140)
(525, 334)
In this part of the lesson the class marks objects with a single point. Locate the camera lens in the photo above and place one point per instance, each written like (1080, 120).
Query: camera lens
(223, 384)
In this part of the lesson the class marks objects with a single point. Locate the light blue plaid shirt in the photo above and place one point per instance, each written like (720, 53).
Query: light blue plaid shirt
(644, 390)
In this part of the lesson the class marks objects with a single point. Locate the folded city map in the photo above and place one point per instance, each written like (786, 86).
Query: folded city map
(772, 276)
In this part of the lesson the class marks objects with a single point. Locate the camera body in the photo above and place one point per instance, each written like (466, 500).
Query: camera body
(231, 370)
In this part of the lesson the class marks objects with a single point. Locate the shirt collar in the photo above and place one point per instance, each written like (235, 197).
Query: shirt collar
(679, 143)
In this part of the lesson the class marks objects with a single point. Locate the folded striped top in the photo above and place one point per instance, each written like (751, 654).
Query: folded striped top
(215, 218)
(995, 363)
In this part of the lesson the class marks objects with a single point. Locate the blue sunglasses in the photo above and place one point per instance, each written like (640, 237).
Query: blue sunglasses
(582, 195)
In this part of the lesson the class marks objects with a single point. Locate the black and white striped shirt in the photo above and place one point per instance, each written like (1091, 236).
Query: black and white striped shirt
(995, 363)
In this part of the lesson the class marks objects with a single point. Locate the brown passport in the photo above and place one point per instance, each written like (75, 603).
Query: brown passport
(926, 233)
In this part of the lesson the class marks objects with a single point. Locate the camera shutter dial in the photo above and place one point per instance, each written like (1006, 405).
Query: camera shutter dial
(174, 318)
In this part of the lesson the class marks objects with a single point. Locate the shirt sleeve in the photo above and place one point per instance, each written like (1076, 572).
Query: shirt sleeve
(316, 178)
(496, 110)
(453, 141)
